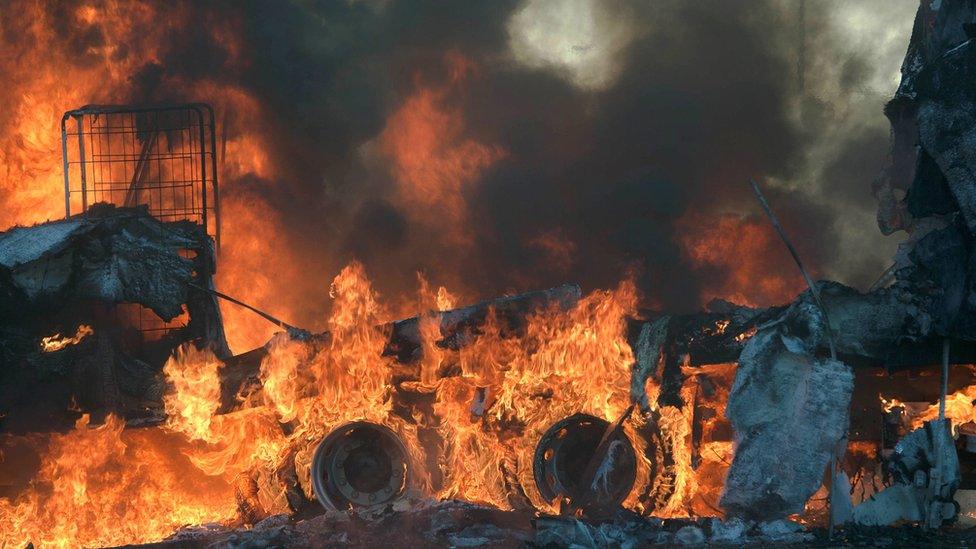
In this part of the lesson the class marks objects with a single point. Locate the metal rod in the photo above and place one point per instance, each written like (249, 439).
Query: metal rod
(883, 279)
(803, 271)
(262, 314)
(203, 169)
(585, 482)
(829, 333)
(831, 495)
(945, 377)
(139, 173)
(64, 162)
(81, 152)
(213, 168)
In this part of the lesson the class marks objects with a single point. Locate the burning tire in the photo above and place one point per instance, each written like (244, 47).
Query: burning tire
(360, 464)
(565, 451)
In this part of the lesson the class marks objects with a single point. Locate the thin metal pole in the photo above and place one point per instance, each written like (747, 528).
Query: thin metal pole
(796, 258)
(259, 312)
(213, 168)
(81, 152)
(945, 377)
(829, 333)
(203, 168)
(64, 162)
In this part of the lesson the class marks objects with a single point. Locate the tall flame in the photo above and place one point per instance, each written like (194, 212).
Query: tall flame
(507, 388)
(102, 486)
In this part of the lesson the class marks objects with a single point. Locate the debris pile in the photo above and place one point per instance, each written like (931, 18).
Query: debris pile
(76, 294)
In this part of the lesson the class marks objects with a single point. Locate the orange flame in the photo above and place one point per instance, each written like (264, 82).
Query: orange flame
(959, 408)
(57, 342)
(507, 390)
(433, 160)
(739, 249)
(566, 362)
(197, 392)
(107, 486)
(101, 486)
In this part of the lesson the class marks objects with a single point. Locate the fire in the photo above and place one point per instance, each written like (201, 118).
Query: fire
(190, 407)
(433, 160)
(314, 387)
(226, 445)
(106, 485)
(959, 408)
(736, 250)
(57, 342)
(93, 53)
(566, 362)
(101, 486)
(704, 462)
(507, 390)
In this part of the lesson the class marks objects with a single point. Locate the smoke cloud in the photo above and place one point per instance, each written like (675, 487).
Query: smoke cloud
(505, 146)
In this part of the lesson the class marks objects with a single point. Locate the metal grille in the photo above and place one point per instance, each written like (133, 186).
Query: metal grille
(159, 156)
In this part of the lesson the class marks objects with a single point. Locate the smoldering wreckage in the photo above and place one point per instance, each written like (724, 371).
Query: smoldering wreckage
(630, 461)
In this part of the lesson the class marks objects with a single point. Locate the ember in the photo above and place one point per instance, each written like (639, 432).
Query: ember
(57, 342)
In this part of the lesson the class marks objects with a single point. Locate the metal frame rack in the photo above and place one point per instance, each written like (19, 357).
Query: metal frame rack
(160, 156)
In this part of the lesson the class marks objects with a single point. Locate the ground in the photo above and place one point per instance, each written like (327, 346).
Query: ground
(461, 524)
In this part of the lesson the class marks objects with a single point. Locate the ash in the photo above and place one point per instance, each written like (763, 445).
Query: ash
(417, 522)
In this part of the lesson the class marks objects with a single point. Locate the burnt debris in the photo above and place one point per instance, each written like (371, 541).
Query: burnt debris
(124, 282)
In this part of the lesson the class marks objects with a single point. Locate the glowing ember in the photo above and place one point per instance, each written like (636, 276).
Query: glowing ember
(57, 342)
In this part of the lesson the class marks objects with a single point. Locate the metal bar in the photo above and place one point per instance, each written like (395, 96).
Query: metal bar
(64, 163)
(796, 258)
(139, 173)
(829, 333)
(81, 151)
(284, 325)
(945, 377)
(203, 168)
(585, 482)
(213, 165)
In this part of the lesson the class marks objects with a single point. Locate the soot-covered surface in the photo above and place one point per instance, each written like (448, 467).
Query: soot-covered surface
(425, 523)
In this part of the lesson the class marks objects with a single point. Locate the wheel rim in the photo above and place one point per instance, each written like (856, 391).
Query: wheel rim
(359, 464)
(567, 447)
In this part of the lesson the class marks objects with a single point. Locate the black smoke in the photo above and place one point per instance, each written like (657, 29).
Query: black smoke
(701, 105)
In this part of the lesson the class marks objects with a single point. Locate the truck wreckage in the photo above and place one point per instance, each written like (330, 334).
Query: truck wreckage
(95, 304)
(74, 272)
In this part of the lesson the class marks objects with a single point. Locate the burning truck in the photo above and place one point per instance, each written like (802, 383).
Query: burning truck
(547, 418)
